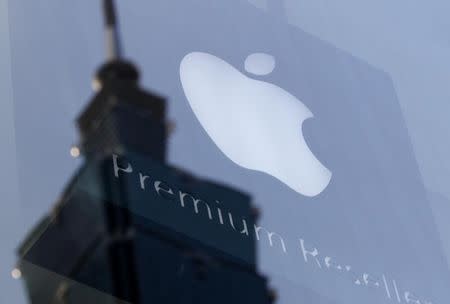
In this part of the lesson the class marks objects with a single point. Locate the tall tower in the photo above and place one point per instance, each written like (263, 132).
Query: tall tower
(121, 116)
(128, 226)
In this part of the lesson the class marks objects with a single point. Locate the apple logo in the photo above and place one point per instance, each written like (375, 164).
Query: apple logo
(256, 124)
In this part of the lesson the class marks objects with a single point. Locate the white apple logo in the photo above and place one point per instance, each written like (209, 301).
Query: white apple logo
(254, 123)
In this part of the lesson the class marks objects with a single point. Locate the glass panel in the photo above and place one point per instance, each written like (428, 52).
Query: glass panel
(294, 148)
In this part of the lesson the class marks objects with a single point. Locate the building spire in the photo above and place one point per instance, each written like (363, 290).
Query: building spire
(112, 36)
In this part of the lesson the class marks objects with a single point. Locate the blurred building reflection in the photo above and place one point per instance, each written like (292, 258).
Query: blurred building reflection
(131, 228)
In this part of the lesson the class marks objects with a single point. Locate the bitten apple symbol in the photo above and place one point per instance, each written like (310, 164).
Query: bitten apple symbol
(256, 124)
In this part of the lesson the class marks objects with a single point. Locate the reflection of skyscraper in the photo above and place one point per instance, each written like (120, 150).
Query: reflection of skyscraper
(129, 226)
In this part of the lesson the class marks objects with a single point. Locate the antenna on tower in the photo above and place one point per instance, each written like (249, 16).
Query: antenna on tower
(112, 36)
(116, 68)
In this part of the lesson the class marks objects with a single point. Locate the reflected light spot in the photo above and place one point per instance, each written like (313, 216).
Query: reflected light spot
(16, 273)
(75, 152)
